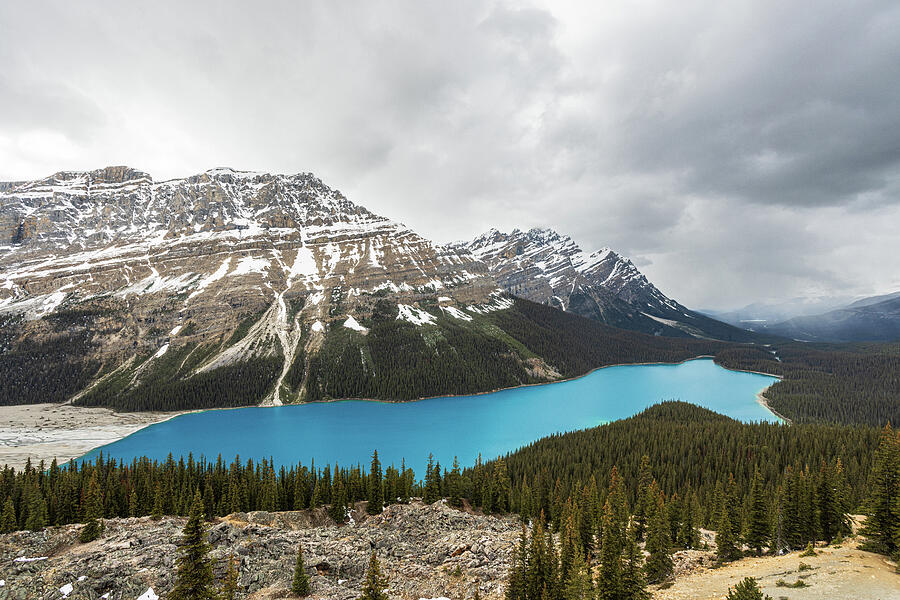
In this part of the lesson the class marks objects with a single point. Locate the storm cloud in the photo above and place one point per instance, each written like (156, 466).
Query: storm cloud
(737, 151)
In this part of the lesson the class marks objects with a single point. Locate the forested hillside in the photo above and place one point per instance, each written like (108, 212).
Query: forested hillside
(827, 383)
(388, 359)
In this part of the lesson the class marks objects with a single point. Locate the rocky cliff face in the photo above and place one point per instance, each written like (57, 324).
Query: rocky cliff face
(546, 267)
(159, 265)
(420, 548)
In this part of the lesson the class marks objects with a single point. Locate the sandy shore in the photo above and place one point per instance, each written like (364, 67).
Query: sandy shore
(45, 431)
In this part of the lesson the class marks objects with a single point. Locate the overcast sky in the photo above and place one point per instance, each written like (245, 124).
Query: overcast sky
(736, 151)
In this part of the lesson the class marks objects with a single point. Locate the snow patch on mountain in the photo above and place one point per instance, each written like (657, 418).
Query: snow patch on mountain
(414, 315)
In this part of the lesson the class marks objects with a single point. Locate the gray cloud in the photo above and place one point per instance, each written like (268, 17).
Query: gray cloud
(738, 152)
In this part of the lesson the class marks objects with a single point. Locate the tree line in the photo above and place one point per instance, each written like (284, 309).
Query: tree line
(827, 383)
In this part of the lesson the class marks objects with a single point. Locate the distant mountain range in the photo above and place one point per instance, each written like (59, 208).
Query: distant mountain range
(121, 290)
(827, 319)
(874, 319)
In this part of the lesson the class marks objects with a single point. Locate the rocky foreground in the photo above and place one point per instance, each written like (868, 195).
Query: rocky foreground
(419, 546)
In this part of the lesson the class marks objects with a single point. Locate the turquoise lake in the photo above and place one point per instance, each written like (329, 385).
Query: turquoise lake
(493, 424)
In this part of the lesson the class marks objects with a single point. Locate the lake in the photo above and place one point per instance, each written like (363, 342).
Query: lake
(493, 424)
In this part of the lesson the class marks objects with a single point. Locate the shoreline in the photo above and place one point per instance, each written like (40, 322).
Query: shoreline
(77, 432)
(42, 432)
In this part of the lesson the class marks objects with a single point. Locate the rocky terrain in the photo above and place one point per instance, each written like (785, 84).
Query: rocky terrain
(545, 266)
(426, 551)
(420, 548)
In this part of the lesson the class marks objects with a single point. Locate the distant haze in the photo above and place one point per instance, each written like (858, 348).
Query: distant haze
(738, 152)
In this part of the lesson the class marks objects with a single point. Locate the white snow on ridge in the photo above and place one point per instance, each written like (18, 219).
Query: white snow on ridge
(22, 559)
(217, 275)
(148, 595)
(175, 330)
(318, 326)
(353, 324)
(161, 351)
(414, 315)
(250, 264)
(456, 313)
(66, 590)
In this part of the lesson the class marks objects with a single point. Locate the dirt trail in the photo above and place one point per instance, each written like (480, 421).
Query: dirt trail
(837, 573)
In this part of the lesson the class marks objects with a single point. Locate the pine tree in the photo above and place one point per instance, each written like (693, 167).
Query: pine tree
(93, 512)
(36, 515)
(432, 485)
(375, 582)
(746, 590)
(338, 509)
(645, 478)
(609, 578)
(8, 521)
(578, 584)
(230, 583)
(133, 508)
(883, 520)
(516, 579)
(634, 584)
(193, 577)
(158, 507)
(758, 526)
(300, 584)
(659, 545)
(376, 489)
(454, 484)
(726, 545)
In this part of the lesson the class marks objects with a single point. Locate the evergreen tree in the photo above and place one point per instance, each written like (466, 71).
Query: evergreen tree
(644, 499)
(758, 526)
(133, 508)
(726, 545)
(659, 545)
(454, 484)
(158, 506)
(8, 522)
(93, 512)
(338, 508)
(376, 489)
(578, 584)
(36, 516)
(432, 483)
(230, 583)
(634, 584)
(300, 584)
(746, 590)
(375, 582)
(883, 520)
(193, 577)
(609, 577)
(516, 579)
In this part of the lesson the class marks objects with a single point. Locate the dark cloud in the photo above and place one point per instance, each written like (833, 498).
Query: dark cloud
(737, 151)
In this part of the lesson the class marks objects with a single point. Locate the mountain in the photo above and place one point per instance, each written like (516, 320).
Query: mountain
(758, 315)
(546, 267)
(874, 319)
(233, 287)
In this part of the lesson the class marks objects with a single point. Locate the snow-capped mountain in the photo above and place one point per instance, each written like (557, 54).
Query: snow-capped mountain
(234, 287)
(186, 261)
(545, 266)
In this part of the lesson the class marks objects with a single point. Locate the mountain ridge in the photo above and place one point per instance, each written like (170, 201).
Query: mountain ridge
(547, 267)
(132, 289)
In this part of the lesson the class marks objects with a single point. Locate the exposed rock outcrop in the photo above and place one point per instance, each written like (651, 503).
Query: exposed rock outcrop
(419, 546)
